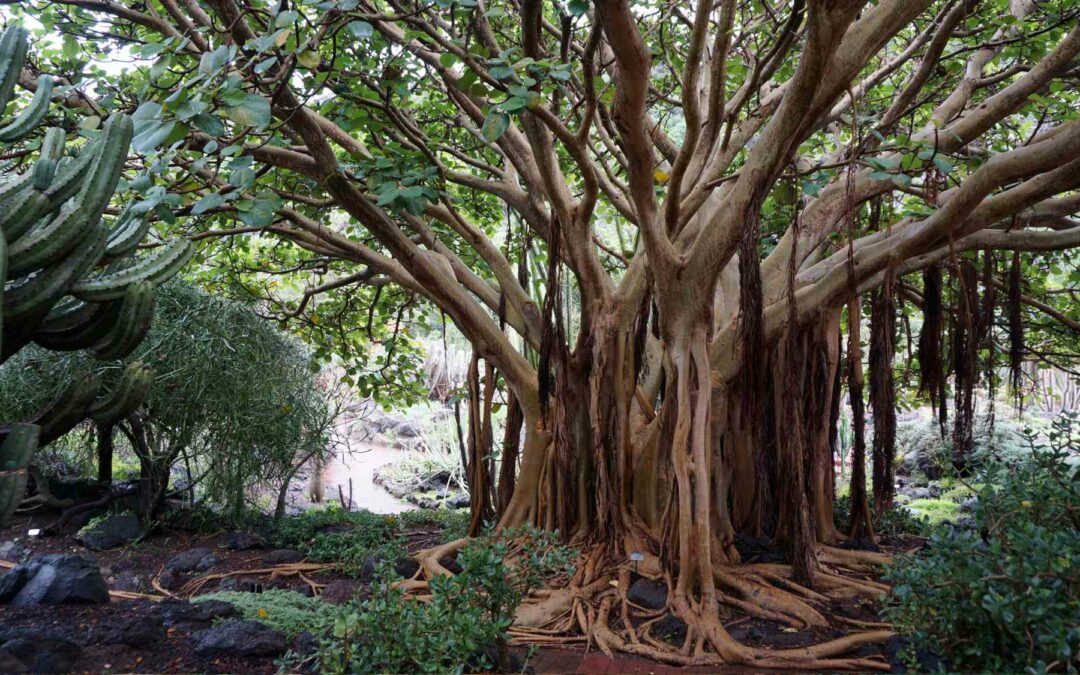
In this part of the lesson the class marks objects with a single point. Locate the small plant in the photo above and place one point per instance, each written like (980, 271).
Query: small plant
(348, 538)
(1003, 596)
(462, 627)
(351, 538)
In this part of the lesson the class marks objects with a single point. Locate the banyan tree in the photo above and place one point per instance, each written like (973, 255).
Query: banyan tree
(658, 225)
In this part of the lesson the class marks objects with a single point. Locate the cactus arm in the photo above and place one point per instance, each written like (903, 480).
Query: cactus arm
(39, 291)
(15, 452)
(28, 120)
(12, 54)
(126, 397)
(91, 325)
(126, 233)
(68, 409)
(156, 268)
(136, 313)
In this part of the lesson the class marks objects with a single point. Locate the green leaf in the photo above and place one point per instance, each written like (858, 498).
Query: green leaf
(943, 164)
(495, 125)
(209, 123)
(211, 62)
(150, 129)
(577, 7)
(309, 59)
(210, 201)
(361, 29)
(285, 18)
(252, 111)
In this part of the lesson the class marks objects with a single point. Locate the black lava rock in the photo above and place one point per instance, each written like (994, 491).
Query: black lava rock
(54, 579)
(239, 638)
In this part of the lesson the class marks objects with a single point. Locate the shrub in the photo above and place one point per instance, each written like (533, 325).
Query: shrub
(1003, 596)
(235, 401)
(463, 625)
(897, 521)
(351, 537)
(283, 610)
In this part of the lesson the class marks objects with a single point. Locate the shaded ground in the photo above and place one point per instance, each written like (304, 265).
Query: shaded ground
(173, 652)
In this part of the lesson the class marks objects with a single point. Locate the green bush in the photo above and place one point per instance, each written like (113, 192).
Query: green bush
(1004, 595)
(350, 538)
(897, 521)
(463, 625)
(283, 610)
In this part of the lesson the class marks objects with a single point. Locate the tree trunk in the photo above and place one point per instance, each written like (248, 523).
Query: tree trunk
(104, 452)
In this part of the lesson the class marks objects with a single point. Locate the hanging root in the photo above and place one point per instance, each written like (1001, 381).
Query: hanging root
(594, 610)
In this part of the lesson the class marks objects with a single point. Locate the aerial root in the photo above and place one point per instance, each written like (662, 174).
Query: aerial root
(771, 599)
(594, 610)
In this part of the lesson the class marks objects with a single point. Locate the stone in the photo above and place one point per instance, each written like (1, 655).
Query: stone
(409, 429)
(965, 522)
(968, 504)
(134, 631)
(648, 593)
(451, 564)
(458, 501)
(38, 652)
(54, 579)
(404, 567)
(670, 628)
(12, 551)
(207, 563)
(305, 644)
(10, 664)
(195, 615)
(188, 561)
(242, 540)
(239, 638)
(170, 580)
(919, 493)
(130, 582)
(282, 556)
(437, 482)
(339, 591)
(110, 533)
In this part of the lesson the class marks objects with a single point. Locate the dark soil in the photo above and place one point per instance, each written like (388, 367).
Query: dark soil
(86, 624)
(90, 626)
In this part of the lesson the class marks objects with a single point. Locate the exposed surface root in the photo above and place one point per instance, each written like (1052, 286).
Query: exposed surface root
(594, 610)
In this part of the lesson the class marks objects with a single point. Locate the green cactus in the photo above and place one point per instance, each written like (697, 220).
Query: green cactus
(67, 278)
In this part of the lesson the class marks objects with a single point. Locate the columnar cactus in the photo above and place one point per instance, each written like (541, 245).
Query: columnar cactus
(68, 280)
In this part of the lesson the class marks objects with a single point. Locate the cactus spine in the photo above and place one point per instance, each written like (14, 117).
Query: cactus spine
(65, 279)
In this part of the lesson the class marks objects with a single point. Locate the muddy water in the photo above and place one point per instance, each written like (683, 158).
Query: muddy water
(359, 465)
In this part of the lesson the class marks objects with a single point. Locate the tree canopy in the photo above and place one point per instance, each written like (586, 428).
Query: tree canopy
(651, 220)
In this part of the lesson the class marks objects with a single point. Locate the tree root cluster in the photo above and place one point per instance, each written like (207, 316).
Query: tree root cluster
(593, 609)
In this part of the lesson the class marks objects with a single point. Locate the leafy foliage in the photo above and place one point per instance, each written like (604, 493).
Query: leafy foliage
(897, 521)
(463, 624)
(1004, 596)
(232, 392)
(351, 537)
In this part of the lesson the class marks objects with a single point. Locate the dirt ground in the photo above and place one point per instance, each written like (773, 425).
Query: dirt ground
(173, 652)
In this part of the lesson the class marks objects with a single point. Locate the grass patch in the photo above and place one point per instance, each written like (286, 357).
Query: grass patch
(282, 610)
(935, 510)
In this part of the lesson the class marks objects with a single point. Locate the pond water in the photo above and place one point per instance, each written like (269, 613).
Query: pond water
(359, 465)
